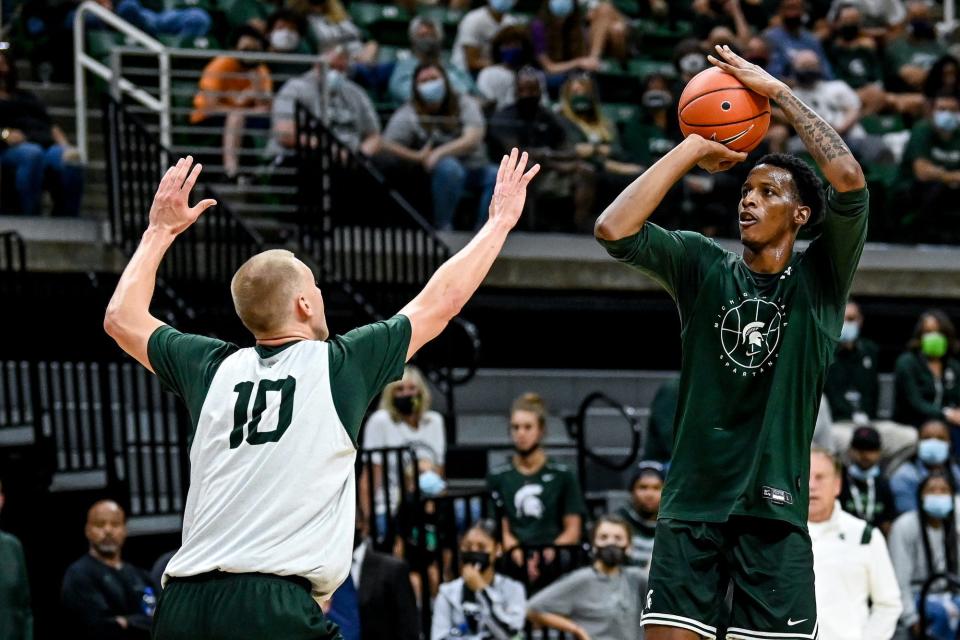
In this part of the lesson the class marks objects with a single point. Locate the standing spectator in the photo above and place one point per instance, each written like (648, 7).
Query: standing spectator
(853, 384)
(104, 596)
(909, 57)
(426, 43)
(923, 542)
(33, 149)
(186, 23)
(560, 42)
(471, 49)
(646, 487)
(234, 95)
(388, 606)
(663, 410)
(444, 133)
(790, 37)
(933, 456)
(603, 601)
(16, 614)
(510, 50)
(541, 498)
(480, 604)
(350, 112)
(866, 492)
(330, 26)
(857, 593)
(927, 375)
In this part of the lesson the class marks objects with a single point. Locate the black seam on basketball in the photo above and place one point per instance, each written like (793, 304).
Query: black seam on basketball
(723, 124)
(706, 93)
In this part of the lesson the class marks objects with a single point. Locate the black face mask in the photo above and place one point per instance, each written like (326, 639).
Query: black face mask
(478, 558)
(849, 32)
(612, 555)
(793, 22)
(807, 78)
(527, 106)
(923, 30)
(406, 405)
(760, 62)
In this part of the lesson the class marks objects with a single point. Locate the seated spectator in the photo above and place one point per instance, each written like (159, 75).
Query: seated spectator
(646, 486)
(330, 26)
(443, 133)
(933, 456)
(688, 60)
(658, 130)
(927, 375)
(426, 43)
(186, 23)
(909, 57)
(865, 492)
(510, 50)
(853, 384)
(540, 498)
(16, 614)
(388, 606)
(235, 95)
(480, 603)
(471, 48)
(923, 542)
(350, 114)
(858, 597)
(878, 17)
(34, 150)
(560, 42)
(790, 37)
(104, 596)
(287, 32)
(757, 51)
(720, 14)
(943, 79)
(603, 600)
(663, 410)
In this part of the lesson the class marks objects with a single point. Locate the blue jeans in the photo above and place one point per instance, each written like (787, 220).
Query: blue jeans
(31, 163)
(939, 624)
(448, 182)
(186, 23)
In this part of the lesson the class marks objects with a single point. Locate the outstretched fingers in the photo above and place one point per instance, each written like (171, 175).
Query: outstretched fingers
(520, 168)
(729, 68)
(192, 178)
(202, 206)
(529, 175)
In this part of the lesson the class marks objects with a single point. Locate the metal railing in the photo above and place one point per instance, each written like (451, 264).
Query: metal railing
(577, 428)
(13, 252)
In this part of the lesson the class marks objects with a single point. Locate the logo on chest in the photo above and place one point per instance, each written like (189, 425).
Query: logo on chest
(750, 333)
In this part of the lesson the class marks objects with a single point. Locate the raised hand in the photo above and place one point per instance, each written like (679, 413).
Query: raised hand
(716, 157)
(171, 210)
(753, 76)
(510, 194)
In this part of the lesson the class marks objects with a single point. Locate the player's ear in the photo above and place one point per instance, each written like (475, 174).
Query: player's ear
(801, 215)
(304, 309)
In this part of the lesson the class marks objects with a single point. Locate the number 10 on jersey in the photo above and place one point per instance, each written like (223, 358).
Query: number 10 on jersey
(255, 436)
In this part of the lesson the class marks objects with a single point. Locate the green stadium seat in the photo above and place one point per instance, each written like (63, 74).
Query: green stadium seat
(657, 40)
(100, 43)
(630, 8)
(883, 123)
(240, 12)
(643, 68)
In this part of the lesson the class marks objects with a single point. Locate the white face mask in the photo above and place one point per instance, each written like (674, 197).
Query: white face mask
(284, 39)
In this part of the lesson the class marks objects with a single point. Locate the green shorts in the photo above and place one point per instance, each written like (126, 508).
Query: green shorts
(768, 562)
(240, 606)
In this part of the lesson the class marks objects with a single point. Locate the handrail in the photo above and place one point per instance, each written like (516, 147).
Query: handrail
(13, 252)
(576, 426)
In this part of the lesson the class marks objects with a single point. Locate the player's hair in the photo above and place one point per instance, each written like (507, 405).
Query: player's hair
(263, 289)
(807, 182)
(533, 403)
(610, 518)
(947, 328)
(949, 526)
(410, 372)
(831, 456)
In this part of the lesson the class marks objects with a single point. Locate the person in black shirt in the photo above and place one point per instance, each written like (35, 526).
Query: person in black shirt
(107, 598)
(33, 149)
(865, 492)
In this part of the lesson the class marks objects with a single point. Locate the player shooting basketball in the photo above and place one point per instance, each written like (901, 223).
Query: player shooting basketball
(269, 519)
(758, 332)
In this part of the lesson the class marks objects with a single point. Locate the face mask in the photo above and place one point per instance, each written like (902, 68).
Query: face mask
(406, 405)
(512, 56)
(933, 344)
(478, 558)
(431, 484)
(849, 32)
(938, 506)
(923, 30)
(581, 104)
(561, 8)
(334, 79)
(932, 451)
(760, 62)
(432, 91)
(656, 99)
(945, 121)
(793, 22)
(807, 78)
(426, 47)
(611, 555)
(502, 6)
(863, 474)
(284, 39)
(692, 63)
(527, 106)
(850, 331)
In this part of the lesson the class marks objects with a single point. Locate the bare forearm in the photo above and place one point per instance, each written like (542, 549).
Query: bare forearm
(462, 145)
(553, 621)
(823, 142)
(399, 150)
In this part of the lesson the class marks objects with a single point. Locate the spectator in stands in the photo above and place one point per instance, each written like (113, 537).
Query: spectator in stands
(351, 115)
(388, 606)
(657, 131)
(16, 614)
(235, 95)
(540, 498)
(33, 150)
(104, 596)
(790, 37)
(927, 375)
(853, 385)
(330, 26)
(159, 568)
(560, 43)
(426, 43)
(444, 133)
(471, 49)
(480, 604)
(710, 15)
(511, 50)
(857, 593)
(923, 542)
(287, 32)
(663, 410)
(688, 60)
(943, 79)
(604, 600)
(757, 51)
(646, 486)
(909, 57)
(933, 456)
(878, 18)
(185, 23)
(865, 492)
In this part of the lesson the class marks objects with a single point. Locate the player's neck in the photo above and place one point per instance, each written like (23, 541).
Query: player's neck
(532, 463)
(284, 337)
(769, 258)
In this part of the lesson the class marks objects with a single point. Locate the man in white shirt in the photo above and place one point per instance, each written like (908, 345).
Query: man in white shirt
(857, 593)
(471, 49)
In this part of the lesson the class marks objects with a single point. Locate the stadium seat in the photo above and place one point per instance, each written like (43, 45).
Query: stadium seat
(100, 43)
(883, 123)
(658, 40)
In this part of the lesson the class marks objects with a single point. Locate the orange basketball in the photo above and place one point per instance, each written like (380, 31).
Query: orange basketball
(719, 107)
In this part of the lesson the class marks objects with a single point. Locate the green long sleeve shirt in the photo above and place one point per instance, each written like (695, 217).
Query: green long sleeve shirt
(16, 616)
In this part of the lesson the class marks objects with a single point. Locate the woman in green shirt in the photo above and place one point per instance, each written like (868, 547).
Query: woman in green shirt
(928, 374)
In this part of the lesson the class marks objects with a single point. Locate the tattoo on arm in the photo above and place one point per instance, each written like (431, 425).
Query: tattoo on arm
(823, 142)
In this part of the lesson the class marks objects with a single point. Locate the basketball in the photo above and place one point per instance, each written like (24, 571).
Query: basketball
(717, 106)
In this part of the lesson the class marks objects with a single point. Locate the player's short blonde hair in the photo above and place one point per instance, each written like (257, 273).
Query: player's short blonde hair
(263, 289)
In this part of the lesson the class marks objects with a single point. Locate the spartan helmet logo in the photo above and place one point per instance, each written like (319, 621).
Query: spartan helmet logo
(527, 501)
(750, 332)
